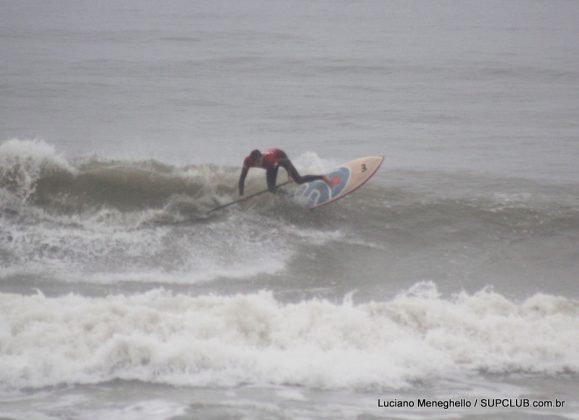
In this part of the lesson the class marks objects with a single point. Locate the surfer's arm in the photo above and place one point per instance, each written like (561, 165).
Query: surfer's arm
(271, 177)
(242, 179)
(289, 168)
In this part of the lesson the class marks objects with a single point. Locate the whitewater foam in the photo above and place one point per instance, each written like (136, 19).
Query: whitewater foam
(111, 247)
(176, 339)
(24, 162)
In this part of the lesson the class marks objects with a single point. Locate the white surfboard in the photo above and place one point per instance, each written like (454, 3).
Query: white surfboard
(345, 180)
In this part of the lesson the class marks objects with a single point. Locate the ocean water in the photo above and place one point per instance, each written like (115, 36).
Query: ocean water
(452, 276)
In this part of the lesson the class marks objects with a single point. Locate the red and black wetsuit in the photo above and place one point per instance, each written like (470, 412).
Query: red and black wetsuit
(271, 160)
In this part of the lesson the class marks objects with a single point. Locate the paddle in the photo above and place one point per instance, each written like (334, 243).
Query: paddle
(245, 198)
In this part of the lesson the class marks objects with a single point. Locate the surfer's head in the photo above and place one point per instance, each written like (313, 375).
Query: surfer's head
(255, 156)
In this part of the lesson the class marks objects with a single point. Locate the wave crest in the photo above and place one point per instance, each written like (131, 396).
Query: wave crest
(212, 340)
(24, 162)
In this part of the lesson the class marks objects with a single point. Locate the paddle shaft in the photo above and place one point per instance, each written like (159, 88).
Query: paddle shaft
(246, 198)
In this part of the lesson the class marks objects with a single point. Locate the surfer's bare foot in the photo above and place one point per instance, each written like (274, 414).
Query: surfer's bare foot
(328, 181)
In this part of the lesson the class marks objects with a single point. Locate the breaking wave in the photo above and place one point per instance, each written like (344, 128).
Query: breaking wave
(210, 340)
(32, 173)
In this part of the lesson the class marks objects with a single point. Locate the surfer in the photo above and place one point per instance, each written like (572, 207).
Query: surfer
(271, 160)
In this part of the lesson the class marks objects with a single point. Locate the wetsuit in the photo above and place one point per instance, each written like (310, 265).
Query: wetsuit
(272, 159)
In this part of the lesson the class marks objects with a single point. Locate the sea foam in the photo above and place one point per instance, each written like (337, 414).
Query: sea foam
(24, 162)
(177, 339)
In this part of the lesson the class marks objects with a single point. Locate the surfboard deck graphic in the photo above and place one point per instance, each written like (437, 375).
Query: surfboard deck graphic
(345, 180)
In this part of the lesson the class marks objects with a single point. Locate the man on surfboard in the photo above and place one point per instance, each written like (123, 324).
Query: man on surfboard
(271, 160)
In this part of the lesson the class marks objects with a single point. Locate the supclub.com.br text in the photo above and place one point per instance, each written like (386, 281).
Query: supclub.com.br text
(470, 403)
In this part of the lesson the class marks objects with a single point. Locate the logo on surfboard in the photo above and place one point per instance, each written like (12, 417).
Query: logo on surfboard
(315, 193)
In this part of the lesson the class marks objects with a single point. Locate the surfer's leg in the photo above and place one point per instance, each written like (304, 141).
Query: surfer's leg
(298, 179)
